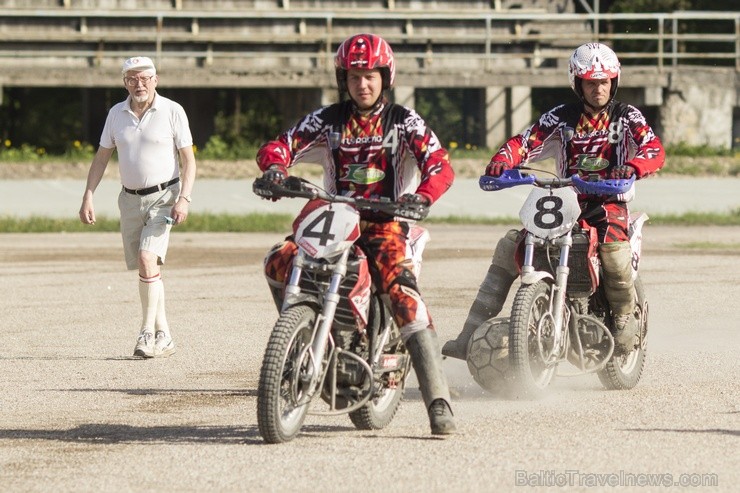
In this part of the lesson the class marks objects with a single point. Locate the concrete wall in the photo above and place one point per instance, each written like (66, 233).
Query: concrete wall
(698, 107)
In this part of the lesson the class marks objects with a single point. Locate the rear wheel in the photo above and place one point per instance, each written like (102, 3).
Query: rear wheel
(530, 336)
(623, 372)
(379, 411)
(284, 377)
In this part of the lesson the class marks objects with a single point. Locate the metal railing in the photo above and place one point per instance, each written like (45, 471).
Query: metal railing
(515, 41)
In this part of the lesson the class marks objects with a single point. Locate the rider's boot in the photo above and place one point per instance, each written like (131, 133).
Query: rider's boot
(616, 260)
(427, 362)
(491, 295)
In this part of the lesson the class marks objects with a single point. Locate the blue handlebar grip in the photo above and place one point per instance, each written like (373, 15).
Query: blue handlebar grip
(603, 187)
(509, 178)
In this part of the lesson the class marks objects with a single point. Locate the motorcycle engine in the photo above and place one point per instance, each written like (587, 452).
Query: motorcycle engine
(594, 342)
(349, 370)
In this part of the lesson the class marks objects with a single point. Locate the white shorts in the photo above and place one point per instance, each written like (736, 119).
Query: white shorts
(143, 223)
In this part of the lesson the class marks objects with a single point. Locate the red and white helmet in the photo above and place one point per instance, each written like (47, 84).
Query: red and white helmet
(593, 61)
(365, 51)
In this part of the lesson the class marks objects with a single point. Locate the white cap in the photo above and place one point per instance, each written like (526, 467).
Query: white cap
(138, 63)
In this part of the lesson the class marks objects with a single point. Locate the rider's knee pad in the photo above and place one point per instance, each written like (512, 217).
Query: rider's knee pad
(405, 278)
(504, 255)
(616, 260)
(278, 260)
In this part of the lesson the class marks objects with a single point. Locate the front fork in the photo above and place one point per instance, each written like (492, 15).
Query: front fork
(557, 315)
(313, 376)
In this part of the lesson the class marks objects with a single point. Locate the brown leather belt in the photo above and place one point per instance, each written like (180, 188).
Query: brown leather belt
(155, 188)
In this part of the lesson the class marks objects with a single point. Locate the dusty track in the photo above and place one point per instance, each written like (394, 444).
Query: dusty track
(80, 414)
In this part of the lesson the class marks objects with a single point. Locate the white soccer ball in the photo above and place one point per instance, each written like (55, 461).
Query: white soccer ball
(488, 355)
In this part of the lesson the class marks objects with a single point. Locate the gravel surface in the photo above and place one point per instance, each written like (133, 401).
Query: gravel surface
(81, 414)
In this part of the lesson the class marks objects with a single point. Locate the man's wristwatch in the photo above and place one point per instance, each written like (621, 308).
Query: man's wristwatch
(186, 197)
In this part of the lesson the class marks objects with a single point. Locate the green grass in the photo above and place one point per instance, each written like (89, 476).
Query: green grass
(705, 245)
(687, 219)
(38, 224)
(280, 223)
(697, 219)
(480, 220)
(207, 223)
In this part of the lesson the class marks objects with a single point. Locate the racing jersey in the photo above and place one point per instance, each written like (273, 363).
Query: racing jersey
(585, 144)
(386, 153)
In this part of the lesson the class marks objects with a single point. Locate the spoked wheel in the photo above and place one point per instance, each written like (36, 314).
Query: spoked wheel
(284, 376)
(380, 410)
(623, 372)
(531, 339)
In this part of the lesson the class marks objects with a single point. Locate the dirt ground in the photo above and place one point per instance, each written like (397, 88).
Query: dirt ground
(81, 414)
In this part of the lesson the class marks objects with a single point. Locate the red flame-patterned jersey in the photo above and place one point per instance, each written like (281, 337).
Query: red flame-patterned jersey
(387, 153)
(586, 144)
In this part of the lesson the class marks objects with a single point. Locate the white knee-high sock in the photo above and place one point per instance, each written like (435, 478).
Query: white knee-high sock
(161, 320)
(150, 291)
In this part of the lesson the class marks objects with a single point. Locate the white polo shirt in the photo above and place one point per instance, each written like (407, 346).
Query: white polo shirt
(147, 148)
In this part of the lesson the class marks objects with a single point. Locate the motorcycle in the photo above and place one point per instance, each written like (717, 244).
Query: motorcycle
(335, 338)
(560, 312)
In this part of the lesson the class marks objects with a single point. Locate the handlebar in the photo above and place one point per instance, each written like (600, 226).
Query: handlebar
(294, 187)
(593, 184)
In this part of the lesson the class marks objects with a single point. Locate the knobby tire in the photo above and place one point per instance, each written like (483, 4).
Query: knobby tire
(624, 372)
(278, 420)
(530, 302)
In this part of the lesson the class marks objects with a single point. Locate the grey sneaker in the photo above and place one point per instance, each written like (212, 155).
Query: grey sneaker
(145, 345)
(163, 345)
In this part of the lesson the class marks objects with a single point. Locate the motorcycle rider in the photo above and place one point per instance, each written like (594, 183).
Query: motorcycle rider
(598, 135)
(372, 148)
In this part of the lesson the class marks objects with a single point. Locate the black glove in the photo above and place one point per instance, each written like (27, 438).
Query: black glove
(275, 174)
(496, 168)
(620, 172)
(414, 198)
(415, 206)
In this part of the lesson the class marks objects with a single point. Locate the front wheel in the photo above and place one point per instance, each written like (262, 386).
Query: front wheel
(531, 334)
(623, 372)
(284, 376)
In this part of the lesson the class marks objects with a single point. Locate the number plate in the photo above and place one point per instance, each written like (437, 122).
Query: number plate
(327, 230)
(548, 213)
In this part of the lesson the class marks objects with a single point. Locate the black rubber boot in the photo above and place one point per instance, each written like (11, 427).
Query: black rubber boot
(427, 362)
(440, 418)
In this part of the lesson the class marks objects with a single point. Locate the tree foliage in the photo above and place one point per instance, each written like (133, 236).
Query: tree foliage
(641, 6)
(49, 119)
(452, 114)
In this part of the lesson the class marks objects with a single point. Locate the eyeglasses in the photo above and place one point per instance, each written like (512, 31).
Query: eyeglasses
(134, 81)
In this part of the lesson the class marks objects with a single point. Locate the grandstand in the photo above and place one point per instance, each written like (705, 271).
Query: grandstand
(503, 48)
